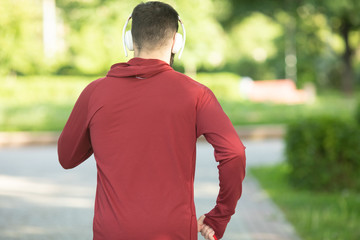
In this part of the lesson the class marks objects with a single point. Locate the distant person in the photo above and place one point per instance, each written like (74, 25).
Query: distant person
(141, 122)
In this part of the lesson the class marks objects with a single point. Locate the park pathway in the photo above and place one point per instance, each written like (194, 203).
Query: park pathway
(39, 200)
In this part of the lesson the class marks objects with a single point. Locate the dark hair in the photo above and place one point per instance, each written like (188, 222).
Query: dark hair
(152, 23)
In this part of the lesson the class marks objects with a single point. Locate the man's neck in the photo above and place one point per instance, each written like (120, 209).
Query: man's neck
(163, 56)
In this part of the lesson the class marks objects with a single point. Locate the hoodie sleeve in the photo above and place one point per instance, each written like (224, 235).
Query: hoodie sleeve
(229, 152)
(74, 145)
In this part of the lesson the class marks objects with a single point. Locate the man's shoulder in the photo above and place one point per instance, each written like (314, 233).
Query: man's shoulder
(94, 84)
(90, 88)
(188, 80)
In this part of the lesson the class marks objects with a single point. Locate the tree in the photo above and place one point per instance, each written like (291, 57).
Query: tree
(278, 13)
(94, 28)
(343, 17)
(21, 38)
(91, 36)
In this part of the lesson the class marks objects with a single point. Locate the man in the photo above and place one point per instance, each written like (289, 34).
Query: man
(141, 122)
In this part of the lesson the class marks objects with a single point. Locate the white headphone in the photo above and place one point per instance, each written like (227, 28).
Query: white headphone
(179, 43)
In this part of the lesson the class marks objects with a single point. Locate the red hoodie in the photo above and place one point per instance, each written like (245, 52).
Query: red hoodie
(141, 122)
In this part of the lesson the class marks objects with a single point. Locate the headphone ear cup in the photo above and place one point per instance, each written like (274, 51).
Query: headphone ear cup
(178, 43)
(129, 41)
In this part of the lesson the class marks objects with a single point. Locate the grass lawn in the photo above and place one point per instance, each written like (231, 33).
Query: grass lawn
(43, 103)
(315, 215)
(38, 103)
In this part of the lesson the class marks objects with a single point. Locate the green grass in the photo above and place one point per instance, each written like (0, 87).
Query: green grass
(315, 215)
(245, 112)
(242, 112)
(38, 103)
(43, 103)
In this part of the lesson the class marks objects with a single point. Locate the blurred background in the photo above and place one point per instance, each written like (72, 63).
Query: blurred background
(51, 49)
(291, 67)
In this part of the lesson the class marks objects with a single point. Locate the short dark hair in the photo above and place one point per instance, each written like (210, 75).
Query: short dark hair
(152, 23)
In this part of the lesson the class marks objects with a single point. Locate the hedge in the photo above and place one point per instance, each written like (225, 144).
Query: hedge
(324, 153)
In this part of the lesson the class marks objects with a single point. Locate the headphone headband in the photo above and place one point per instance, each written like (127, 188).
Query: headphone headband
(183, 39)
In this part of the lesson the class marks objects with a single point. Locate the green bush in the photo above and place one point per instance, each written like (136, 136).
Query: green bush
(324, 153)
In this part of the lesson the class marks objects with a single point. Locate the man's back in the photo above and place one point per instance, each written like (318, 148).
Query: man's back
(141, 122)
(143, 136)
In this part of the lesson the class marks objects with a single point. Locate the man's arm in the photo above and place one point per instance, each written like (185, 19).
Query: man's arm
(218, 130)
(74, 145)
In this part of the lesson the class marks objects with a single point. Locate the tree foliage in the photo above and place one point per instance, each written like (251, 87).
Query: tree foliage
(20, 41)
(250, 37)
(326, 35)
(91, 32)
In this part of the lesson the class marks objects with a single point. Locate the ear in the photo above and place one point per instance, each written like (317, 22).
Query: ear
(177, 44)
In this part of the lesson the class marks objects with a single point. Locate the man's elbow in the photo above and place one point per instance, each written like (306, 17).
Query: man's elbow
(238, 159)
(238, 154)
(70, 160)
(66, 166)
(242, 156)
(65, 163)
(64, 154)
(64, 159)
(232, 155)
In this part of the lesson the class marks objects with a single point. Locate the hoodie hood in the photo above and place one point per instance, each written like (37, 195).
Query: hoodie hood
(139, 68)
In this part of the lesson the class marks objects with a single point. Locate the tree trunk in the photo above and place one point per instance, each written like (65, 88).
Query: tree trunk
(290, 43)
(347, 80)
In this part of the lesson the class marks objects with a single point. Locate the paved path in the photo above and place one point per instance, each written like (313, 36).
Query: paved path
(40, 200)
